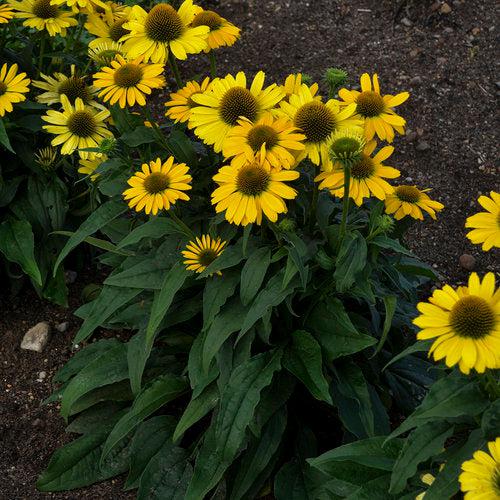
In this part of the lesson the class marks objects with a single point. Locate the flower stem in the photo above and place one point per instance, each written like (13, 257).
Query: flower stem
(42, 53)
(172, 61)
(181, 224)
(213, 64)
(491, 385)
(313, 208)
(345, 203)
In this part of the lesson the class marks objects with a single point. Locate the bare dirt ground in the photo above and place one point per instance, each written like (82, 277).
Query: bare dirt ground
(444, 54)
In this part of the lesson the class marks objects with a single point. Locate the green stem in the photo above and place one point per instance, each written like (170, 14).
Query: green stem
(42, 53)
(491, 385)
(213, 64)
(313, 208)
(186, 228)
(345, 203)
(172, 61)
(146, 114)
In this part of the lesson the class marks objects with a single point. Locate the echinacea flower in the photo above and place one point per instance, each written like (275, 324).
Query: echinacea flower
(486, 225)
(158, 186)
(409, 200)
(293, 83)
(6, 13)
(108, 26)
(200, 253)
(103, 53)
(465, 323)
(88, 167)
(87, 6)
(222, 33)
(13, 86)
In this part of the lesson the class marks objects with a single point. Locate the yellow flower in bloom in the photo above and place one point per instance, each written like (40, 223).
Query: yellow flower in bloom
(227, 100)
(43, 15)
(6, 13)
(376, 109)
(164, 29)
(480, 479)
(107, 27)
(486, 225)
(158, 186)
(293, 84)
(465, 323)
(279, 140)
(368, 176)
(77, 127)
(88, 167)
(87, 6)
(409, 200)
(245, 193)
(73, 87)
(201, 253)
(181, 102)
(318, 121)
(12, 87)
(222, 33)
(103, 53)
(127, 82)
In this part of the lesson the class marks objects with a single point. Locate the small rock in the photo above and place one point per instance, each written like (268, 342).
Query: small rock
(62, 327)
(445, 9)
(42, 375)
(411, 136)
(497, 84)
(70, 276)
(406, 22)
(409, 180)
(416, 80)
(423, 146)
(435, 6)
(441, 61)
(38, 422)
(467, 262)
(36, 338)
(476, 31)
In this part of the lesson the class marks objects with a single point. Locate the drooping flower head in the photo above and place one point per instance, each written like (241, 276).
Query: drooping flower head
(486, 225)
(409, 200)
(127, 83)
(77, 127)
(181, 102)
(247, 192)
(222, 33)
(228, 100)
(293, 83)
(44, 15)
(88, 167)
(465, 323)
(104, 52)
(163, 29)
(376, 109)
(13, 86)
(279, 140)
(368, 175)
(158, 186)
(199, 254)
(6, 13)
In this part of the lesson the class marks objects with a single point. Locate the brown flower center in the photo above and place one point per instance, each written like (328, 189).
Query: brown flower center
(163, 24)
(370, 104)
(238, 101)
(43, 10)
(363, 168)
(472, 317)
(316, 121)
(410, 194)
(82, 124)
(206, 257)
(156, 182)
(3, 88)
(262, 134)
(252, 180)
(74, 87)
(116, 30)
(128, 75)
(207, 18)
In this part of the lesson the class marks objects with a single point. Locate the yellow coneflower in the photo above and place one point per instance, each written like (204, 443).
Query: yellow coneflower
(13, 86)
(293, 84)
(158, 186)
(73, 87)
(318, 121)
(128, 82)
(465, 323)
(199, 254)
(228, 100)
(163, 29)
(107, 27)
(480, 477)
(103, 53)
(281, 140)
(77, 127)
(181, 102)
(367, 176)
(88, 167)
(409, 200)
(486, 225)
(6, 13)
(222, 33)
(376, 110)
(245, 193)
(44, 15)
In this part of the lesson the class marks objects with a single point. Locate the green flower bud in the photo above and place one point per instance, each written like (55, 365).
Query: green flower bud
(45, 158)
(287, 225)
(346, 146)
(335, 78)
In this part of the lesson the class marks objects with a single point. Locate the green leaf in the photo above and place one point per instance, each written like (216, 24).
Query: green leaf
(351, 260)
(290, 483)
(335, 332)
(227, 434)
(196, 409)
(182, 148)
(155, 228)
(109, 301)
(303, 359)
(387, 243)
(231, 257)
(420, 346)
(104, 214)
(490, 422)
(450, 397)
(422, 444)
(147, 442)
(98, 243)
(390, 303)
(147, 274)
(161, 391)
(215, 294)
(17, 244)
(107, 368)
(90, 419)
(139, 136)
(253, 273)
(4, 138)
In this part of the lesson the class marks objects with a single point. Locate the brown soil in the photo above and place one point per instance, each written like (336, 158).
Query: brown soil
(446, 61)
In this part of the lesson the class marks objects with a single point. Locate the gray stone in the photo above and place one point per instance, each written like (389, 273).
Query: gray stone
(62, 327)
(467, 262)
(36, 338)
(423, 146)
